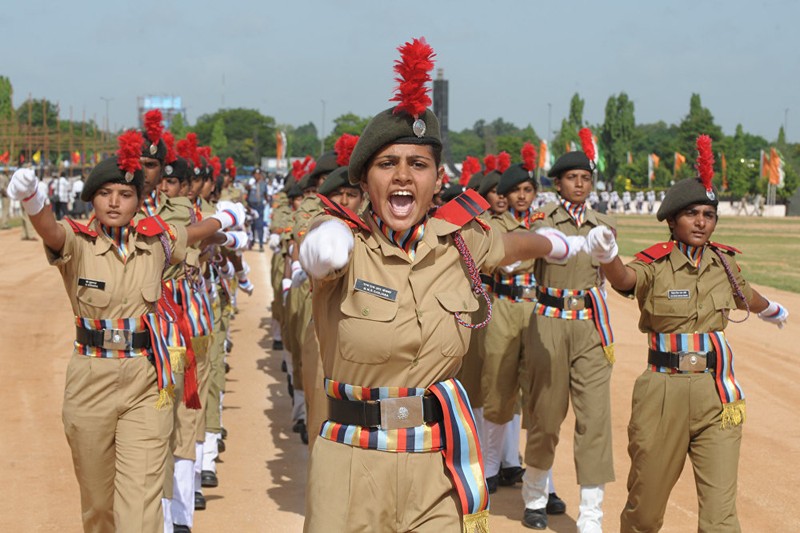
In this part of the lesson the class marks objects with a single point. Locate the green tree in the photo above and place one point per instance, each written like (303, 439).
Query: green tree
(250, 134)
(178, 126)
(39, 109)
(618, 131)
(6, 102)
(302, 140)
(576, 105)
(568, 134)
(347, 123)
(219, 142)
(699, 121)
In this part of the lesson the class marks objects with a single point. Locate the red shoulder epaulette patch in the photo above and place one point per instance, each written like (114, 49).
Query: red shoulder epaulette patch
(152, 226)
(538, 215)
(725, 247)
(339, 211)
(77, 227)
(655, 252)
(482, 223)
(463, 208)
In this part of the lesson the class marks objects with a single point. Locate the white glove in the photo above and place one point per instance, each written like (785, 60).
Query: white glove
(298, 277)
(326, 248)
(226, 270)
(775, 313)
(274, 242)
(236, 240)
(602, 244)
(24, 186)
(560, 245)
(229, 214)
(576, 243)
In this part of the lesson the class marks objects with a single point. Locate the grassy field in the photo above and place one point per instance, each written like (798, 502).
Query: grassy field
(770, 246)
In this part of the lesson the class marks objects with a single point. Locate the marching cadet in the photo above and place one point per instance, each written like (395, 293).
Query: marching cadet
(688, 400)
(569, 351)
(394, 296)
(120, 365)
(281, 212)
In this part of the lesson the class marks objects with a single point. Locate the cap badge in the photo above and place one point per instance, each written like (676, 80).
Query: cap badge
(168, 169)
(419, 127)
(153, 149)
(711, 195)
(196, 171)
(129, 177)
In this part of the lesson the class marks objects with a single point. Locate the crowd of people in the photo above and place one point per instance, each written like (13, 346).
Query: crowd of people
(423, 323)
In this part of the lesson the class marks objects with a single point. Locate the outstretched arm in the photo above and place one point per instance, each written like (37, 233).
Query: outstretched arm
(24, 186)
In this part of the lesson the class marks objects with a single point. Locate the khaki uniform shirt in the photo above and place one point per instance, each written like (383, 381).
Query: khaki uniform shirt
(301, 219)
(113, 289)
(385, 320)
(505, 223)
(579, 272)
(676, 297)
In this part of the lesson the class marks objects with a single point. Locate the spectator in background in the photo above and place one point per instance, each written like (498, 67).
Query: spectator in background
(256, 200)
(61, 193)
(78, 206)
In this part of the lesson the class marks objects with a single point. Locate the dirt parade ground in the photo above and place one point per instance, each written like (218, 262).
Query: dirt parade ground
(263, 471)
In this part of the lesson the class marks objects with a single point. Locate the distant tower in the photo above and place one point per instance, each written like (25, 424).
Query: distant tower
(440, 109)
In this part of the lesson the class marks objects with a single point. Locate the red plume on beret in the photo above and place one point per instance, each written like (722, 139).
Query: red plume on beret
(311, 166)
(470, 166)
(705, 160)
(169, 141)
(216, 166)
(413, 68)
(204, 152)
(528, 153)
(187, 149)
(231, 168)
(344, 147)
(297, 169)
(153, 126)
(586, 143)
(490, 162)
(503, 161)
(130, 149)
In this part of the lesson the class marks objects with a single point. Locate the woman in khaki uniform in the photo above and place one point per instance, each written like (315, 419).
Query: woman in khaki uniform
(119, 382)
(394, 295)
(687, 401)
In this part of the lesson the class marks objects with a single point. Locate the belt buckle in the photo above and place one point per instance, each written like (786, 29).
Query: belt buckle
(529, 292)
(692, 361)
(574, 303)
(117, 339)
(399, 413)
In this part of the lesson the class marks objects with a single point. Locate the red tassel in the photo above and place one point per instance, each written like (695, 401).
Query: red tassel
(528, 153)
(229, 163)
(130, 149)
(705, 160)
(192, 151)
(169, 141)
(344, 148)
(503, 161)
(586, 143)
(413, 68)
(153, 126)
(490, 162)
(216, 166)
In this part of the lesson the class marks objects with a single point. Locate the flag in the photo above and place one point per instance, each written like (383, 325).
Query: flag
(776, 168)
(652, 163)
(4, 157)
(724, 164)
(76, 158)
(279, 146)
(37, 156)
(545, 157)
(599, 158)
(680, 160)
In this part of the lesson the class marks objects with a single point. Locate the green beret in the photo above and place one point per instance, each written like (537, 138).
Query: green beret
(179, 168)
(571, 161)
(513, 176)
(475, 181)
(107, 171)
(325, 165)
(154, 151)
(488, 182)
(686, 192)
(294, 191)
(388, 128)
(451, 191)
(336, 179)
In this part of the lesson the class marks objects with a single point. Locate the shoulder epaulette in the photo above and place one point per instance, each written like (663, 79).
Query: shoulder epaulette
(537, 215)
(655, 252)
(152, 226)
(77, 227)
(339, 211)
(463, 208)
(725, 247)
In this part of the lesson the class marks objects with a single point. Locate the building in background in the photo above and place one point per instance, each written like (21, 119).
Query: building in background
(170, 106)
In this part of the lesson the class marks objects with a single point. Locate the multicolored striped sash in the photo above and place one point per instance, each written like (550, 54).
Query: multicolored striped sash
(176, 323)
(597, 312)
(456, 437)
(728, 388)
(523, 280)
(149, 322)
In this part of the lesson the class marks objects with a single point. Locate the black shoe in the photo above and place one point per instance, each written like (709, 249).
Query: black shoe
(208, 479)
(491, 483)
(299, 426)
(227, 368)
(555, 505)
(535, 519)
(278, 345)
(304, 434)
(511, 476)
(284, 368)
(180, 528)
(199, 501)
(224, 433)
(228, 346)
(220, 445)
(290, 388)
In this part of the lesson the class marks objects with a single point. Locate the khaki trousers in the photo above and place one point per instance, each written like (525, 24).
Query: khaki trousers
(355, 490)
(200, 346)
(672, 415)
(313, 385)
(216, 379)
(566, 361)
(276, 276)
(182, 443)
(472, 364)
(504, 369)
(119, 442)
(299, 316)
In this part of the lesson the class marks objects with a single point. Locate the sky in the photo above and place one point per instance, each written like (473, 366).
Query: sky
(519, 60)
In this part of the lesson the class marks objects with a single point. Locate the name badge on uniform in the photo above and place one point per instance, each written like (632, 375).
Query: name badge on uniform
(92, 283)
(376, 290)
(682, 294)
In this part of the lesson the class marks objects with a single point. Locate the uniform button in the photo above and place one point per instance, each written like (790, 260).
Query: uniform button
(699, 306)
(365, 311)
(415, 362)
(419, 313)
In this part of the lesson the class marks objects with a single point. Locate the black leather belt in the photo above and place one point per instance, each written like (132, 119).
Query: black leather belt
(574, 303)
(686, 361)
(392, 413)
(113, 339)
(488, 280)
(515, 291)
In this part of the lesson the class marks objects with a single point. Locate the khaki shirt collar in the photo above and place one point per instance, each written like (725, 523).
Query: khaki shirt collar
(679, 261)
(560, 215)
